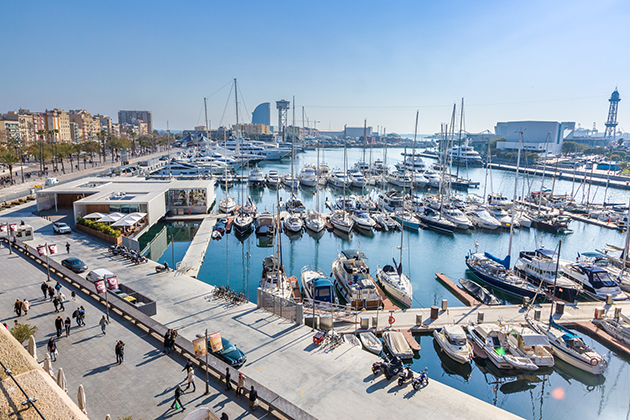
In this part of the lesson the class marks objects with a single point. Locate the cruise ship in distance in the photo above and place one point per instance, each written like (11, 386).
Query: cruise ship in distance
(267, 151)
(465, 154)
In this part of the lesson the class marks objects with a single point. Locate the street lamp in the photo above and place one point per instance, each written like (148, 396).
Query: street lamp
(19, 143)
(206, 337)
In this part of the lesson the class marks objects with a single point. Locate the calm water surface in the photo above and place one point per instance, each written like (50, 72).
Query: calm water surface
(561, 393)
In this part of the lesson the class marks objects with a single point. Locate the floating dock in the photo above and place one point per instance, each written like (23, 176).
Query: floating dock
(462, 295)
(410, 340)
(196, 252)
(603, 337)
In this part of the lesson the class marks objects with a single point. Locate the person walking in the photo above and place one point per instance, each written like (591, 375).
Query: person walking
(81, 316)
(51, 293)
(68, 247)
(17, 307)
(52, 349)
(228, 383)
(44, 288)
(224, 416)
(253, 396)
(57, 287)
(59, 326)
(177, 401)
(167, 341)
(103, 323)
(55, 302)
(240, 387)
(60, 299)
(73, 296)
(189, 364)
(67, 323)
(120, 351)
(190, 379)
(26, 306)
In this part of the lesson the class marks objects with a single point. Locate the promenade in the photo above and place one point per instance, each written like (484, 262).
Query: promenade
(326, 383)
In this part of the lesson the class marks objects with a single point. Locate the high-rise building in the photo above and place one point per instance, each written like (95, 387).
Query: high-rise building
(58, 119)
(132, 117)
(262, 114)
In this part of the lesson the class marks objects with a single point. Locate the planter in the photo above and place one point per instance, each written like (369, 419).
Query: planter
(108, 238)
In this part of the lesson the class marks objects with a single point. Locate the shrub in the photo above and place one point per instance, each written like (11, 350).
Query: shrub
(99, 227)
(22, 332)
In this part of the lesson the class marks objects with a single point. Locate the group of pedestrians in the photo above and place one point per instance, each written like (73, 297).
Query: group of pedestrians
(79, 314)
(21, 306)
(169, 340)
(120, 351)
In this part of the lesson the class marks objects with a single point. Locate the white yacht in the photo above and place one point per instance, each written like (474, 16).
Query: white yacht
(314, 221)
(256, 177)
(308, 176)
(338, 179)
(528, 343)
(482, 219)
(274, 279)
(396, 283)
(262, 150)
(357, 180)
(342, 221)
(354, 282)
(539, 266)
(502, 216)
(273, 180)
(419, 180)
(464, 154)
(595, 281)
(363, 220)
(390, 201)
(183, 168)
(400, 179)
(492, 339)
(452, 340)
(499, 200)
(456, 216)
(433, 178)
(293, 223)
(411, 163)
(227, 205)
(291, 181)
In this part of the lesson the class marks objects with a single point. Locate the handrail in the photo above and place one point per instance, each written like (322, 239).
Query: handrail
(29, 400)
(273, 401)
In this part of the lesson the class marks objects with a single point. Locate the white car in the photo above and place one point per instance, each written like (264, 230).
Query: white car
(60, 228)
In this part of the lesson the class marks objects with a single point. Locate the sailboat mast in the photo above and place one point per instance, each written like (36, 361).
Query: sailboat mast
(461, 123)
(413, 161)
(317, 184)
(555, 279)
(542, 179)
(205, 107)
(518, 164)
(364, 137)
(345, 173)
(293, 149)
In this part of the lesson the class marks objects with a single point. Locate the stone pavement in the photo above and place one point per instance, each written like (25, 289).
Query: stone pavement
(326, 383)
(142, 386)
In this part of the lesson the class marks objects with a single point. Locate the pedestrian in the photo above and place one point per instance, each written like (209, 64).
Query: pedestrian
(189, 364)
(103, 323)
(26, 306)
(67, 323)
(44, 288)
(60, 299)
(120, 351)
(240, 387)
(57, 287)
(68, 247)
(228, 383)
(51, 292)
(253, 396)
(75, 315)
(172, 342)
(167, 341)
(177, 402)
(52, 349)
(59, 326)
(81, 316)
(55, 302)
(224, 416)
(190, 379)
(73, 296)
(17, 307)
(5, 325)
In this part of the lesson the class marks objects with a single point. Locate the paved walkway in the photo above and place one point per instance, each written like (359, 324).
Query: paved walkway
(142, 386)
(196, 252)
(326, 383)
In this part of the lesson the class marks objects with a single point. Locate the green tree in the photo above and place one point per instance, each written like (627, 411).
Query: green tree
(22, 332)
(573, 147)
(9, 158)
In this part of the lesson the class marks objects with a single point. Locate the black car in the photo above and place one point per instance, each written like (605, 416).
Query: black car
(230, 354)
(74, 264)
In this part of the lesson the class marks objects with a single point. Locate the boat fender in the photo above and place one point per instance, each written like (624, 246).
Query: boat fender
(594, 362)
(391, 320)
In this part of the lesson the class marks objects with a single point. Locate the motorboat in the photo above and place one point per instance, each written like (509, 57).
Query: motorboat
(455, 215)
(249, 207)
(569, 347)
(395, 283)
(293, 223)
(363, 202)
(339, 179)
(385, 222)
(354, 282)
(226, 180)
(265, 224)
(539, 266)
(390, 201)
(371, 342)
(502, 216)
(433, 178)
(227, 205)
(528, 343)
(419, 180)
(294, 205)
(290, 181)
(480, 293)
(411, 162)
(499, 200)
(488, 268)
(434, 220)
(452, 340)
(492, 340)
(407, 220)
(323, 170)
(551, 223)
(400, 179)
(618, 327)
(314, 221)
(341, 220)
(243, 222)
(482, 219)
(345, 203)
(273, 180)
(352, 340)
(463, 155)
(317, 286)
(595, 281)
(274, 280)
(396, 345)
(357, 179)
(308, 176)
(414, 203)
(256, 178)
(362, 220)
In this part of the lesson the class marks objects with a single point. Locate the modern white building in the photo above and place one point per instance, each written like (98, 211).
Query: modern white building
(156, 198)
(538, 136)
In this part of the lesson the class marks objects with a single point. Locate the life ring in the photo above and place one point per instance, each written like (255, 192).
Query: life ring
(391, 319)
(594, 362)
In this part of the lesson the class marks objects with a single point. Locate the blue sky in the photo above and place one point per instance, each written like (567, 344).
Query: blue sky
(343, 61)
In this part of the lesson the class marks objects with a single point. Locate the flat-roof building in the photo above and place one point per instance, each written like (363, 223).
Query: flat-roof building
(538, 136)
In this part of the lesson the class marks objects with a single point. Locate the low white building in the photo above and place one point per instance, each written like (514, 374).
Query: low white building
(156, 198)
(538, 136)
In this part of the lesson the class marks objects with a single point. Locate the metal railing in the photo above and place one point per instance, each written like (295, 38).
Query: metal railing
(29, 400)
(285, 308)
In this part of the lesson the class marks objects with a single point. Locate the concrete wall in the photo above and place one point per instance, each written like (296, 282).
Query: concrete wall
(156, 209)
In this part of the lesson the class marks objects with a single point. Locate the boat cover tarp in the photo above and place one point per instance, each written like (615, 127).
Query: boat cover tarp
(397, 344)
(504, 262)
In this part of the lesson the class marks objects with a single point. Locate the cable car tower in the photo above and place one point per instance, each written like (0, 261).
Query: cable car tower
(611, 124)
(283, 108)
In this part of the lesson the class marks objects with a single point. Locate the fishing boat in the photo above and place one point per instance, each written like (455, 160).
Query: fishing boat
(371, 342)
(317, 286)
(452, 340)
(396, 345)
(354, 282)
(569, 347)
(492, 340)
(539, 266)
(480, 293)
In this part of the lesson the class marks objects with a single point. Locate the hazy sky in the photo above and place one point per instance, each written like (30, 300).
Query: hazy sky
(344, 61)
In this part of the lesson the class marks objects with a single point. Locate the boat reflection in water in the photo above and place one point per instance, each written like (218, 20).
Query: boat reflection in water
(264, 241)
(450, 366)
(569, 372)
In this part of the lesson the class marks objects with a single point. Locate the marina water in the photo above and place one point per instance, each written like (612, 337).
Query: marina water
(563, 392)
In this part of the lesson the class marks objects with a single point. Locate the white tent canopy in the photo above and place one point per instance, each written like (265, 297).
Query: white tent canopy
(129, 220)
(95, 216)
(123, 223)
(110, 218)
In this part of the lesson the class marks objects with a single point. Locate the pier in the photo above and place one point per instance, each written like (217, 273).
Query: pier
(463, 296)
(196, 252)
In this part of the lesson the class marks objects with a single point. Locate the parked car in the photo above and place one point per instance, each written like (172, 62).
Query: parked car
(74, 264)
(230, 354)
(61, 228)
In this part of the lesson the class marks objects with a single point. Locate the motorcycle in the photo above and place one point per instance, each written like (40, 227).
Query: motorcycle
(405, 375)
(390, 369)
(422, 380)
(160, 268)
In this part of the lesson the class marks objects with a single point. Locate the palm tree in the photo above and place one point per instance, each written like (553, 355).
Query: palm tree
(133, 143)
(41, 134)
(9, 158)
(53, 141)
(101, 153)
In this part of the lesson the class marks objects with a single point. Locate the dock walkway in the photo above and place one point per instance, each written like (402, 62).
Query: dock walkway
(191, 263)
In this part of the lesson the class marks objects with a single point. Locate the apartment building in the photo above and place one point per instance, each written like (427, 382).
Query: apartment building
(59, 120)
(134, 117)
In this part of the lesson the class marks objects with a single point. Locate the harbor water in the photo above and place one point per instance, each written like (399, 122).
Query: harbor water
(562, 392)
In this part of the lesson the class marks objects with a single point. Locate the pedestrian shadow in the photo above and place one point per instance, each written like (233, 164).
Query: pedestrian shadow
(87, 339)
(150, 356)
(100, 369)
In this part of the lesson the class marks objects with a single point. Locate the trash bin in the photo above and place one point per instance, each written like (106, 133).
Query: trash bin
(435, 311)
(480, 316)
(560, 308)
(365, 322)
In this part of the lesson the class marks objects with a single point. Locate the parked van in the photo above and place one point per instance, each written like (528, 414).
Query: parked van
(99, 274)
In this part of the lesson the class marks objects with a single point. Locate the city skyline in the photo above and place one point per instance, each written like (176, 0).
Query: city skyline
(343, 63)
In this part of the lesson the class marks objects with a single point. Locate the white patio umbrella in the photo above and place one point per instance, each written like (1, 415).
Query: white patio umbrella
(61, 380)
(110, 218)
(81, 399)
(48, 366)
(32, 347)
(108, 417)
(95, 216)
(123, 223)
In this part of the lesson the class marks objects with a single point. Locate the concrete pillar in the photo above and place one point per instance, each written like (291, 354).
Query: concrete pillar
(300, 314)
(259, 298)
(526, 301)
(418, 320)
(444, 304)
(609, 299)
(599, 313)
(375, 322)
(326, 322)
(480, 316)
(617, 312)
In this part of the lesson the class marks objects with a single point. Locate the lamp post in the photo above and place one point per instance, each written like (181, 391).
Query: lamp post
(173, 252)
(207, 383)
(247, 255)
